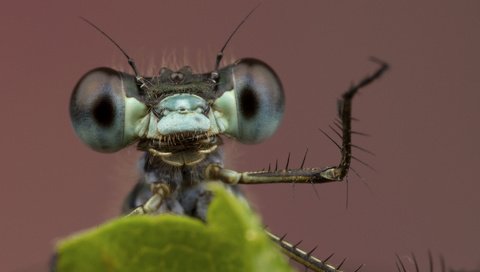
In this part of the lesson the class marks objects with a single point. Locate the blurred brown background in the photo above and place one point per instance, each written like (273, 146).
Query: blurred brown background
(422, 115)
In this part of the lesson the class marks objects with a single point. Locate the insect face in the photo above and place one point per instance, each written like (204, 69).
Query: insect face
(177, 115)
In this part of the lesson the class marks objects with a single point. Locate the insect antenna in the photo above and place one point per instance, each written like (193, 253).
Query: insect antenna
(220, 54)
(131, 62)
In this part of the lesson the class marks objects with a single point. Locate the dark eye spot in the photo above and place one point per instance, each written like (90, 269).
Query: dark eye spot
(248, 103)
(103, 111)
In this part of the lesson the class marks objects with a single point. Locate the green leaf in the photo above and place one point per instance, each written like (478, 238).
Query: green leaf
(232, 240)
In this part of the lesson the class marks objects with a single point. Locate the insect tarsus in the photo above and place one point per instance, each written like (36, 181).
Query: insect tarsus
(337, 173)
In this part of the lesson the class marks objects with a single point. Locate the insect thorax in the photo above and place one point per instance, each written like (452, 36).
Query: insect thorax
(189, 193)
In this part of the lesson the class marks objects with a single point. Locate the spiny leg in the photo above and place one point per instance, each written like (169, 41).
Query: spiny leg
(307, 175)
(159, 192)
(304, 258)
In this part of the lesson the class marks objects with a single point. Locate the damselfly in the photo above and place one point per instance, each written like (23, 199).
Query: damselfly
(178, 119)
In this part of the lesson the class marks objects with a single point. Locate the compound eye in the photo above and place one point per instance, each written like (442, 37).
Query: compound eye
(257, 98)
(101, 113)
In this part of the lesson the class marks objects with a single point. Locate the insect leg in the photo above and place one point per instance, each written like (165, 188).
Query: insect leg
(307, 175)
(302, 257)
(159, 192)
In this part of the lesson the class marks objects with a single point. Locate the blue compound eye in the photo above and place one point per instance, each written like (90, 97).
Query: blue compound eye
(101, 113)
(252, 110)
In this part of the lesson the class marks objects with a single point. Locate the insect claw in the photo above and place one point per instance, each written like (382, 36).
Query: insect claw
(340, 265)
